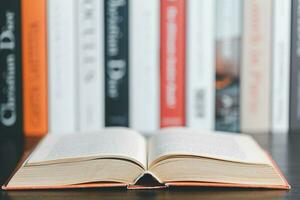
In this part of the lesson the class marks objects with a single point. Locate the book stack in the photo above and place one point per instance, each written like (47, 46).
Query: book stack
(82, 65)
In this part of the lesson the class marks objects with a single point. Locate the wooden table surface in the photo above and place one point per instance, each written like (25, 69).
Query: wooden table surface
(284, 149)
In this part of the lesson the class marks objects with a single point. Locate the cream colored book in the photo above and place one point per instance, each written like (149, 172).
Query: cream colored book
(123, 157)
(256, 72)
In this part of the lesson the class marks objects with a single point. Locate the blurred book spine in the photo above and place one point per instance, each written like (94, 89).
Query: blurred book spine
(144, 68)
(295, 68)
(116, 39)
(90, 24)
(281, 66)
(62, 66)
(256, 67)
(200, 69)
(229, 15)
(11, 108)
(34, 43)
(172, 63)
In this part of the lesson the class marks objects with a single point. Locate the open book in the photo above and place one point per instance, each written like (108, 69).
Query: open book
(122, 157)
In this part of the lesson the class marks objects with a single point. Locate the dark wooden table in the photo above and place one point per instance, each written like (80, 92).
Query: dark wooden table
(284, 149)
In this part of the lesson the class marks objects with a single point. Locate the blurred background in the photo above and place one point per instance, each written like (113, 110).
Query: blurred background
(76, 66)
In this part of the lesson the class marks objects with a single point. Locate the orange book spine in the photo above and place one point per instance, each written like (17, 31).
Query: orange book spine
(172, 63)
(34, 44)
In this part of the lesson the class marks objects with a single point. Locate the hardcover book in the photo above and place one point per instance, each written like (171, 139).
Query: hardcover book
(281, 45)
(171, 157)
(228, 63)
(256, 67)
(11, 108)
(200, 70)
(172, 63)
(62, 66)
(295, 69)
(90, 70)
(144, 67)
(35, 71)
(116, 41)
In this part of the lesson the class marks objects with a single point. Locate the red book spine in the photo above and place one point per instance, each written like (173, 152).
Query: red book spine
(172, 63)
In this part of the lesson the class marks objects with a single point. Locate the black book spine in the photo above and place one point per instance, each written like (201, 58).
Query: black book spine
(116, 22)
(11, 121)
(295, 69)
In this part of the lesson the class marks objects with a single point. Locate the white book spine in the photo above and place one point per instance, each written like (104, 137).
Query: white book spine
(281, 65)
(256, 71)
(144, 67)
(200, 64)
(62, 71)
(90, 18)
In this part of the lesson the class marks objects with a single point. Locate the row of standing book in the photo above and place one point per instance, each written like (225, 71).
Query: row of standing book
(81, 65)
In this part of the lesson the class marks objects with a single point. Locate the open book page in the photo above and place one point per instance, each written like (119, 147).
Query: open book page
(224, 146)
(110, 142)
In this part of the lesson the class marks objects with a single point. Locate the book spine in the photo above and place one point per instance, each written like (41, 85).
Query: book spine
(228, 64)
(62, 66)
(11, 111)
(295, 69)
(144, 68)
(281, 66)
(256, 67)
(34, 44)
(90, 61)
(172, 63)
(116, 39)
(200, 64)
